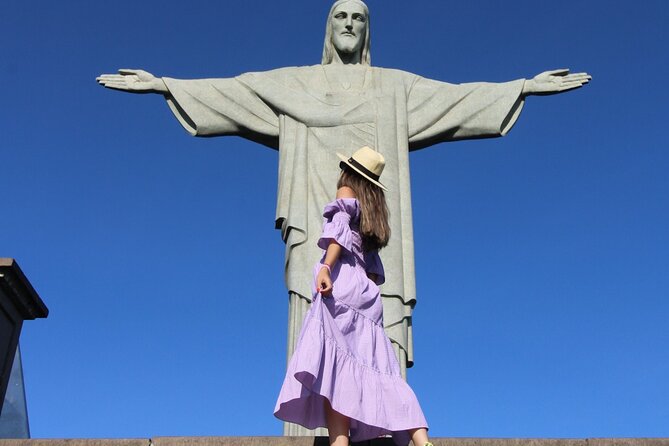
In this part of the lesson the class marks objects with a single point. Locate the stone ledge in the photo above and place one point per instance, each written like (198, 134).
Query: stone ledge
(322, 441)
(76, 442)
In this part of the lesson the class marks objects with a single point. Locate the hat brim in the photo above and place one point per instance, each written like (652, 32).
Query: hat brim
(344, 160)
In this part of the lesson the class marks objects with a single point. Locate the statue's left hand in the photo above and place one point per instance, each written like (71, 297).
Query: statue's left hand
(555, 81)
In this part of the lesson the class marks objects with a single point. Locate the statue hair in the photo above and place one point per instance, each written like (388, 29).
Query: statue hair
(374, 215)
(329, 49)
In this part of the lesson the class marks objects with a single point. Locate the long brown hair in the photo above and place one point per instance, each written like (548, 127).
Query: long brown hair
(374, 227)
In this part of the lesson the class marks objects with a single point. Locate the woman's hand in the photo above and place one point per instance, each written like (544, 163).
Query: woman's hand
(324, 282)
(133, 81)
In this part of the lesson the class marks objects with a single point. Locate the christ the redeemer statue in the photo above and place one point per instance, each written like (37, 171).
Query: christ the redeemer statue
(309, 113)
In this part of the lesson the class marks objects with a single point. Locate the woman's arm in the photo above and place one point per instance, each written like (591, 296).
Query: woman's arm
(323, 279)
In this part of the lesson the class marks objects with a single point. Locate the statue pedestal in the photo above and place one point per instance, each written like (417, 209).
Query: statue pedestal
(18, 302)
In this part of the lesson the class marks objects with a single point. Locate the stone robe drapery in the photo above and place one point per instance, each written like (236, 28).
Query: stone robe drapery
(309, 114)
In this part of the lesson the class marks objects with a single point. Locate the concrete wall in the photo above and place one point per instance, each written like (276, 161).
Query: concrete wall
(322, 441)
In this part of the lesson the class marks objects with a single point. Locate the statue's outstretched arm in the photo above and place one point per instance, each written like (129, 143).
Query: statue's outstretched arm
(555, 81)
(133, 81)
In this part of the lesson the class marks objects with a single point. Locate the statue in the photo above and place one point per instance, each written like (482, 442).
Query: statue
(309, 113)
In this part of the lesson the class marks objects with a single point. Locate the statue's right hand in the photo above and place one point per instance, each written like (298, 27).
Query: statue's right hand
(133, 81)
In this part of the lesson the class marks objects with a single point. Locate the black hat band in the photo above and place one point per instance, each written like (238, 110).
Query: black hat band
(363, 169)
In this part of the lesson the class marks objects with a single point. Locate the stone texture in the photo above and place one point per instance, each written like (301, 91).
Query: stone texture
(628, 442)
(77, 442)
(507, 442)
(239, 441)
(323, 441)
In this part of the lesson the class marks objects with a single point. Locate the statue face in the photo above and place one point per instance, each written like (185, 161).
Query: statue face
(348, 22)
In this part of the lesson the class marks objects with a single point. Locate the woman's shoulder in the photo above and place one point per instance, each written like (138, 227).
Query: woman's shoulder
(345, 192)
(345, 204)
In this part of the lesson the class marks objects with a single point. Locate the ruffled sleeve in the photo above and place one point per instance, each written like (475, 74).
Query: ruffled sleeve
(373, 265)
(338, 217)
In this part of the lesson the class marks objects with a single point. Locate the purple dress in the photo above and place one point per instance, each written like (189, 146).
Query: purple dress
(343, 353)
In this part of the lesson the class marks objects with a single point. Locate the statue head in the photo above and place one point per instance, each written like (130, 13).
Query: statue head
(347, 33)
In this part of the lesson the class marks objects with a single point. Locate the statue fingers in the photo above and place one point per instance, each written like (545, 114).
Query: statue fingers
(570, 86)
(582, 80)
(109, 77)
(118, 81)
(141, 75)
(126, 71)
(581, 74)
(113, 82)
(576, 81)
(115, 86)
(559, 72)
(570, 82)
(584, 77)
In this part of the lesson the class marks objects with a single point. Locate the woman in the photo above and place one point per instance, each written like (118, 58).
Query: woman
(344, 373)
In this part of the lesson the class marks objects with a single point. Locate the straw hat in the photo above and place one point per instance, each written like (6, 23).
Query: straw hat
(367, 162)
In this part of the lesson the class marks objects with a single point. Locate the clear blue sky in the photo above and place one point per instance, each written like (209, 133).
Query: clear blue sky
(542, 257)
